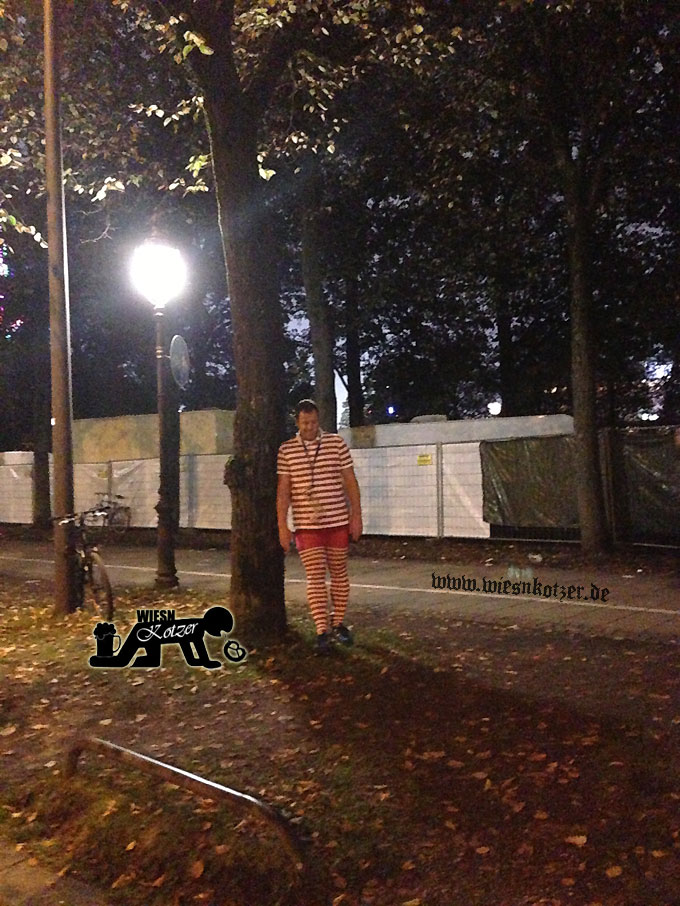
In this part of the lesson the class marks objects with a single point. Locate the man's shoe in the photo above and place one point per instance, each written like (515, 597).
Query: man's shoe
(342, 634)
(323, 643)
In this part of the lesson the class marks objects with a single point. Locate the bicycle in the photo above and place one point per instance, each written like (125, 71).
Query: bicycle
(90, 570)
(110, 513)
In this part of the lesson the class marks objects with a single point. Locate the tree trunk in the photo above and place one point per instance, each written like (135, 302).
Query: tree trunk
(506, 353)
(355, 393)
(42, 506)
(257, 596)
(590, 498)
(318, 310)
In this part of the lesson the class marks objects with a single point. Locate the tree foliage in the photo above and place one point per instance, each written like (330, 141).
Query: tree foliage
(495, 210)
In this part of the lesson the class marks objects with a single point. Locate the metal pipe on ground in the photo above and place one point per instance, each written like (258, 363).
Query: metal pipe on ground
(208, 789)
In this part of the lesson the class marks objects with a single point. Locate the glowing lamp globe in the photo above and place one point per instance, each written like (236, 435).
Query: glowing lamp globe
(158, 273)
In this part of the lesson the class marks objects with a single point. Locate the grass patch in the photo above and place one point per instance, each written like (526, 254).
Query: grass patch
(432, 762)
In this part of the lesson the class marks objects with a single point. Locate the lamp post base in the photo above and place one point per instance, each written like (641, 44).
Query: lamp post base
(166, 582)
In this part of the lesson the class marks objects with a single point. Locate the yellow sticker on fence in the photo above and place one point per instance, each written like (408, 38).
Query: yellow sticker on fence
(424, 459)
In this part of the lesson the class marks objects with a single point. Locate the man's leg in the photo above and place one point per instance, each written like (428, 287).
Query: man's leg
(314, 562)
(337, 565)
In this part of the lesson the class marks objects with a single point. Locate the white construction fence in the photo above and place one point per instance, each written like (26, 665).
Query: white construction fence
(428, 490)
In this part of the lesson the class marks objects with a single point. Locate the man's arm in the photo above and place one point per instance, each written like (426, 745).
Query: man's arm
(282, 504)
(351, 484)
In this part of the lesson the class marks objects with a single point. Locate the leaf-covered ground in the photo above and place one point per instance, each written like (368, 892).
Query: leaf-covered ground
(435, 763)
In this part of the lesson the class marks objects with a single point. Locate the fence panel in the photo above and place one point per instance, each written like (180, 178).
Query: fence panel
(89, 480)
(204, 500)
(16, 487)
(462, 491)
(137, 481)
(398, 489)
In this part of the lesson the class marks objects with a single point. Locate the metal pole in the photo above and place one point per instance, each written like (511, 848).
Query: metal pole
(60, 333)
(166, 573)
(208, 789)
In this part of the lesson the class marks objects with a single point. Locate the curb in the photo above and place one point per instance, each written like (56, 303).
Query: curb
(24, 882)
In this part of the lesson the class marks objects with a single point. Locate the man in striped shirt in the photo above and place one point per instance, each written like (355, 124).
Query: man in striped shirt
(316, 477)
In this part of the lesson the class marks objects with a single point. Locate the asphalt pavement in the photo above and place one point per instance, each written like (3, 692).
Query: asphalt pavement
(621, 604)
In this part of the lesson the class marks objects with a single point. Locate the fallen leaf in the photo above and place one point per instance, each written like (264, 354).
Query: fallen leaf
(131, 846)
(579, 840)
(7, 731)
(614, 871)
(482, 850)
(159, 881)
(197, 869)
(408, 866)
(121, 881)
(540, 815)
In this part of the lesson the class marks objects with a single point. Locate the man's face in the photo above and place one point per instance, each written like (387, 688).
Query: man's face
(308, 425)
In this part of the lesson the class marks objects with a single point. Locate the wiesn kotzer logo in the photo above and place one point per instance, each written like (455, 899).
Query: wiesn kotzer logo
(533, 588)
(157, 628)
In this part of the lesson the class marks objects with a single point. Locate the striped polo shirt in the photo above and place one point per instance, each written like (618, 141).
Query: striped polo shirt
(315, 465)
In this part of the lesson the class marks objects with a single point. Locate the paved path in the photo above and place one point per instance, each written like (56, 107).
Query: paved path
(615, 604)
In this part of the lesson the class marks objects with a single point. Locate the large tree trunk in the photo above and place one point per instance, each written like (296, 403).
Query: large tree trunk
(257, 596)
(590, 498)
(318, 310)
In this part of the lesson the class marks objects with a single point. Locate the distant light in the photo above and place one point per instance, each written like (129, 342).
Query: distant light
(653, 416)
(391, 410)
(661, 371)
(495, 407)
(158, 273)
(53, 422)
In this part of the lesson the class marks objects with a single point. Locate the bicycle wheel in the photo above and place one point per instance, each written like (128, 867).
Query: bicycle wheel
(100, 586)
(119, 519)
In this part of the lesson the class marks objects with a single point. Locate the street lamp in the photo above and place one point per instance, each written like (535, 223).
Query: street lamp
(159, 274)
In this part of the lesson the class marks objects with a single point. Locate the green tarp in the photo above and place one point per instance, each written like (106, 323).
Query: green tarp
(530, 482)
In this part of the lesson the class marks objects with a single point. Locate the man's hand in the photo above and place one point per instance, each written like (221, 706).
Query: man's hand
(285, 537)
(282, 504)
(356, 526)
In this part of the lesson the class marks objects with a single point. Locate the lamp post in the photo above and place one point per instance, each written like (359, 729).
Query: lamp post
(159, 274)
